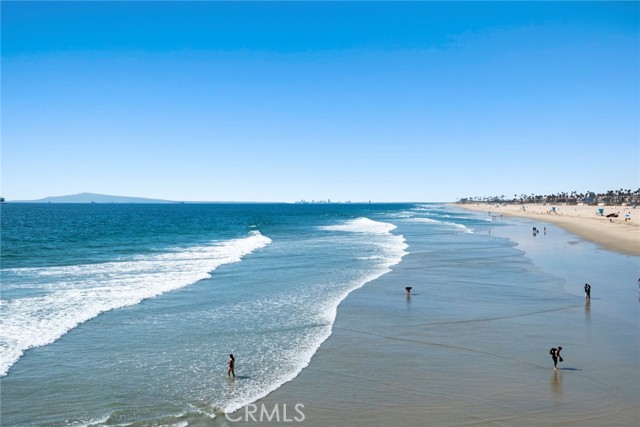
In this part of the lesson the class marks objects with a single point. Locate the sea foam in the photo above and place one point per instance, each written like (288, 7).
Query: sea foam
(461, 227)
(362, 225)
(71, 295)
(392, 248)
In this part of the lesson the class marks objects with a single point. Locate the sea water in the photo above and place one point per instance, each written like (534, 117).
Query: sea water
(127, 314)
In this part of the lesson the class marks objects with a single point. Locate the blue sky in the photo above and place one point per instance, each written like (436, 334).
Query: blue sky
(342, 101)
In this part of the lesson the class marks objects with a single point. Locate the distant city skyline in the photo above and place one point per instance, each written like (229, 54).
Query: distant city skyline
(388, 102)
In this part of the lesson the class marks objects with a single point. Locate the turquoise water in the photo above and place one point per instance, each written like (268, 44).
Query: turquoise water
(126, 314)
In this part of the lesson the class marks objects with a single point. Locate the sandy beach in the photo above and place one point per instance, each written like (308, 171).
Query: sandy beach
(474, 351)
(620, 234)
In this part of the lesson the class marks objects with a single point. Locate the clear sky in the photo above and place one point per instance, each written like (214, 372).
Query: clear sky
(341, 101)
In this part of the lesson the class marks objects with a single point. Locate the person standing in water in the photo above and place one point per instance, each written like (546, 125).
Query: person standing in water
(587, 290)
(555, 355)
(232, 362)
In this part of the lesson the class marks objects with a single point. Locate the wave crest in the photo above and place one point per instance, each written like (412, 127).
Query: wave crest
(71, 295)
(362, 225)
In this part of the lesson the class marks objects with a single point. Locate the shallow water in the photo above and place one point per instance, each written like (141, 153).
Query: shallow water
(471, 344)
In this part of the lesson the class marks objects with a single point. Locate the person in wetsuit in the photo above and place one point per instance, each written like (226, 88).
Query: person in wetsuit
(555, 355)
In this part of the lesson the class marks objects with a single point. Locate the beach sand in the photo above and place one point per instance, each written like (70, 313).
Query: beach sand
(461, 354)
(616, 234)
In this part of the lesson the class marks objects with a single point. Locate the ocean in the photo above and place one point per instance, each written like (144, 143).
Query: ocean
(126, 314)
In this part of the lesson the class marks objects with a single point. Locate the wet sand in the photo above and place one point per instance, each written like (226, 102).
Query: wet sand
(465, 354)
(621, 234)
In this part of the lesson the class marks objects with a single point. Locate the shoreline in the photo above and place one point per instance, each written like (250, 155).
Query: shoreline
(616, 234)
(450, 356)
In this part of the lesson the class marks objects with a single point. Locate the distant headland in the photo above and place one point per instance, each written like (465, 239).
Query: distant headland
(93, 198)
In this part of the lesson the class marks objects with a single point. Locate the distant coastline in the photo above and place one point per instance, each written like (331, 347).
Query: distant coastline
(84, 198)
(611, 197)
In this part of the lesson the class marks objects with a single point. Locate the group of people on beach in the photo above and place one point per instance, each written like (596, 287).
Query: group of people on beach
(555, 351)
(536, 231)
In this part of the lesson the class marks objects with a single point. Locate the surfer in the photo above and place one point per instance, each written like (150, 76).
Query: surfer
(555, 355)
(587, 290)
(232, 362)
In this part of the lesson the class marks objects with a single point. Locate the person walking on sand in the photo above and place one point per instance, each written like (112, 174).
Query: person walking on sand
(555, 355)
(587, 290)
(232, 362)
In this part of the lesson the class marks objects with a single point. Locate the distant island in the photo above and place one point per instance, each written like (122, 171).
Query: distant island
(93, 198)
(110, 199)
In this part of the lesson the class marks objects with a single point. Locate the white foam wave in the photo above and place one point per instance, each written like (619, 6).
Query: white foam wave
(426, 208)
(74, 294)
(91, 423)
(392, 249)
(362, 225)
(461, 227)
(104, 422)
(475, 218)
